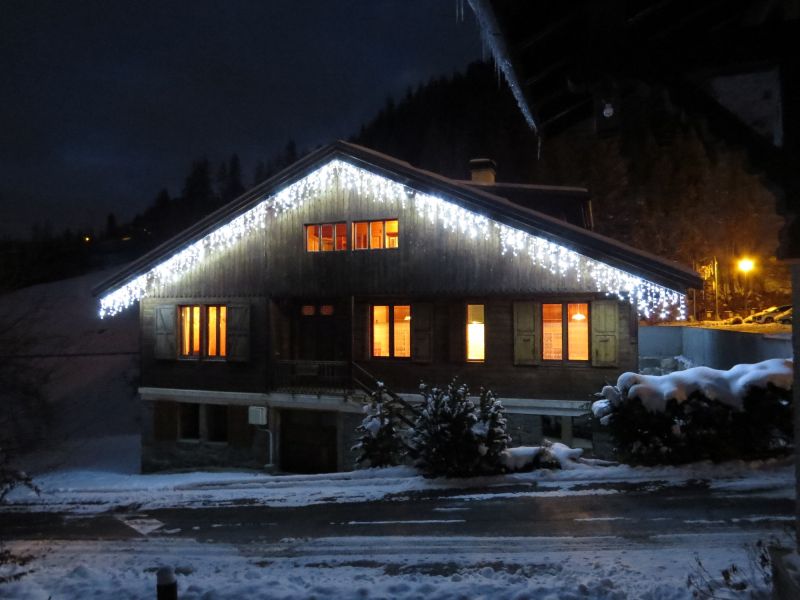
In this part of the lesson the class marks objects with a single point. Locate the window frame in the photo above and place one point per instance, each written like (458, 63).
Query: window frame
(565, 360)
(203, 324)
(384, 235)
(202, 425)
(391, 356)
(334, 225)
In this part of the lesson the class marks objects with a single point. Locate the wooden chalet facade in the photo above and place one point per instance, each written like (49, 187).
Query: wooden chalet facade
(351, 267)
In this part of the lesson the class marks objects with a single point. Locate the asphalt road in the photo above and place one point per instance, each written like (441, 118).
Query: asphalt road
(629, 512)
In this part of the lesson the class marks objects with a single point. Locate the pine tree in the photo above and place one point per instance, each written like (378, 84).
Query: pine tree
(490, 431)
(380, 444)
(443, 439)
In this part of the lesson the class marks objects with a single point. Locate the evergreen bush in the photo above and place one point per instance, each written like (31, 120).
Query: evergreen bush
(703, 429)
(381, 434)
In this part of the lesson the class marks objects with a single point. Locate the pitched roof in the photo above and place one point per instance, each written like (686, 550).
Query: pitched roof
(472, 198)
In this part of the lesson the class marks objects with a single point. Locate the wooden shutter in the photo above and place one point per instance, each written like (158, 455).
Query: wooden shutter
(165, 317)
(457, 325)
(165, 421)
(238, 332)
(526, 343)
(422, 332)
(605, 335)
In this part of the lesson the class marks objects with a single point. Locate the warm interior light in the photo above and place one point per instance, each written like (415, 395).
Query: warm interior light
(746, 265)
(579, 317)
(577, 332)
(552, 332)
(402, 331)
(476, 349)
(380, 331)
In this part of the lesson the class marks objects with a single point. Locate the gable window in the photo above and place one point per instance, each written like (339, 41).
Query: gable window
(376, 235)
(391, 331)
(326, 237)
(570, 318)
(475, 333)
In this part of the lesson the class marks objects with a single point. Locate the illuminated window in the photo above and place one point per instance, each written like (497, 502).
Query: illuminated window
(312, 238)
(341, 236)
(326, 237)
(376, 235)
(217, 319)
(308, 310)
(475, 333)
(326, 310)
(190, 330)
(391, 331)
(203, 328)
(576, 317)
(361, 235)
(392, 234)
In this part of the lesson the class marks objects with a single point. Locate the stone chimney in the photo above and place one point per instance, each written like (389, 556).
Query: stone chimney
(482, 170)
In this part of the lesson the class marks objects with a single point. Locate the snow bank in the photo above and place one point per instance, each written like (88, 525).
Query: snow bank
(729, 387)
(524, 457)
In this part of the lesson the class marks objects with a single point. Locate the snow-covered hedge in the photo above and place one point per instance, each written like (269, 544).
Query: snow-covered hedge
(699, 413)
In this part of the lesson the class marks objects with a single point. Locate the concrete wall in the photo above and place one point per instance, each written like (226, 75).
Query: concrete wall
(716, 348)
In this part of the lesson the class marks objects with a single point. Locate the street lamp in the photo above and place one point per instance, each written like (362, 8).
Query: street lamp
(745, 265)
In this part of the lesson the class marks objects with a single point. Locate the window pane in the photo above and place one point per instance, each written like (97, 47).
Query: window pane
(312, 238)
(223, 331)
(361, 236)
(189, 421)
(308, 310)
(376, 234)
(380, 331)
(552, 331)
(327, 238)
(326, 310)
(578, 331)
(186, 330)
(195, 330)
(402, 331)
(217, 422)
(341, 236)
(392, 234)
(212, 330)
(475, 332)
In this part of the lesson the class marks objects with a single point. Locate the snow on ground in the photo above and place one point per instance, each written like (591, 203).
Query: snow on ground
(110, 481)
(362, 567)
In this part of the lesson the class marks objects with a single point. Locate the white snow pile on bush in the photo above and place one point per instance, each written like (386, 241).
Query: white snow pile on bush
(728, 387)
(524, 457)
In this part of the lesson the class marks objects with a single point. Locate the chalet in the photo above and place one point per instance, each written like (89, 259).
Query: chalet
(264, 325)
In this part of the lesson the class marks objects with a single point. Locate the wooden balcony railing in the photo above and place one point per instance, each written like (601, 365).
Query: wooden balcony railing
(312, 376)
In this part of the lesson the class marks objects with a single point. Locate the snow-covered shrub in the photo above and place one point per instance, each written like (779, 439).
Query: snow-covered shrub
(550, 455)
(700, 413)
(454, 437)
(381, 433)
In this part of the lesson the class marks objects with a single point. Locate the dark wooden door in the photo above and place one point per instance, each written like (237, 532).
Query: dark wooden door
(308, 441)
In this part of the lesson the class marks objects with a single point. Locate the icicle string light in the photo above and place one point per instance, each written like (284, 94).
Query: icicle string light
(649, 298)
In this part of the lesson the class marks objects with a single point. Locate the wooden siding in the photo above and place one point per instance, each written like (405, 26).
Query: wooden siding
(208, 374)
(430, 260)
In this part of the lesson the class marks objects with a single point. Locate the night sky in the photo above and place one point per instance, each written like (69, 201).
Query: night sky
(104, 103)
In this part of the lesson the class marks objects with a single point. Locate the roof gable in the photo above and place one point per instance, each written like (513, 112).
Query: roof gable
(653, 285)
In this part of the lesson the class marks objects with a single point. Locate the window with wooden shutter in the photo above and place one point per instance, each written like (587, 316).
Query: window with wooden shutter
(238, 332)
(165, 338)
(605, 335)
(525, 338)
(422, 332)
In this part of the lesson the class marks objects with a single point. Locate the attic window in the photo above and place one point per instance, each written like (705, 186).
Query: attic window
(376, 235)
(326, 237)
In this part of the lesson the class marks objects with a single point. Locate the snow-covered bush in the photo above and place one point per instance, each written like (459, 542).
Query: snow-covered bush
(700, 413)
(454, 437)
(381, 433)
(550, 455)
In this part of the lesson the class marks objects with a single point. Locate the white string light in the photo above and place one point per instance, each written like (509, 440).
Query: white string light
(648, 298)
